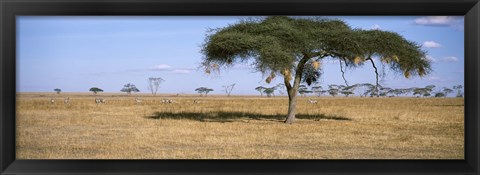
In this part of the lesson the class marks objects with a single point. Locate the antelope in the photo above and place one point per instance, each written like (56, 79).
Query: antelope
(196, 101)
(312, 101)
(66, 101)
(52, 101)
(137, 100)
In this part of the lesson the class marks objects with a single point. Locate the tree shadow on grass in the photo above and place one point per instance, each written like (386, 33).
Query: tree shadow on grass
(232, 116)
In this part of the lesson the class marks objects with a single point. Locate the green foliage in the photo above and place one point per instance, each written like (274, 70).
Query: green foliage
(303, 90)
(260, 89)
(294, 48)
(57, 90)
(439, 94)
(347, 90)
(129, 88)
(269, 91)
(333, 90)
(203, 90)
(447, 91)
(278, 43)
(95, 90)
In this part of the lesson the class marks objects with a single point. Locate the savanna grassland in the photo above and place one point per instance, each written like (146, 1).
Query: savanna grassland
(237, 127)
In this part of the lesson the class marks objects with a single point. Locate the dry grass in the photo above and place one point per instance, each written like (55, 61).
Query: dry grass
(238, 128)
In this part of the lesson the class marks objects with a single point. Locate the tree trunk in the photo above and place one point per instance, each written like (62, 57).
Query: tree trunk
(292, 104)
(293, 90)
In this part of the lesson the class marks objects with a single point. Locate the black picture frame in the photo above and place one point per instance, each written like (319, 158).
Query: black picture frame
(11, 8)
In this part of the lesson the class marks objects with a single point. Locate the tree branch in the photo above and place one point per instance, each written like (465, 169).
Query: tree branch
(343, 72)
(287, 83)
(376, 73)
(320, 54)
(299, 71)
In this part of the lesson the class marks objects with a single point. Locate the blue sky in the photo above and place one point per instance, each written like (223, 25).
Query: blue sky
(76, 53)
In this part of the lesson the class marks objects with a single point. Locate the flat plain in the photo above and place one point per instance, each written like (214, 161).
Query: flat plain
(237, 127)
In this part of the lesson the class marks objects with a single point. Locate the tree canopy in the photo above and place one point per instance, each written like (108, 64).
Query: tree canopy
(129, 88)
(277, 44)
(294, 48)
(204, 90)
(95, 90)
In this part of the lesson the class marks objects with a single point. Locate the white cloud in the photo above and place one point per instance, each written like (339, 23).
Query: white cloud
(162, 67)
(181, 71)
(444, 59)
(376, 27)
(449, 59)
(168, 68)
(455, 22)
(431, 44)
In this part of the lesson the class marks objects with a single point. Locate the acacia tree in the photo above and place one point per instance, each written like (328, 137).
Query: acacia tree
(294, 47)
(204, 90)
(95, 90)
(260, 89)
(333, 90)
(129, 88)
(228, 89)
(303, 90)
(447, 91)
(57, 90)
(347, 90)
(459, 90)
(154, 84)
(269, 91)
(318, 90)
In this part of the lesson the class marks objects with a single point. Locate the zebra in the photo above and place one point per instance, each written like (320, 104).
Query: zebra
(312, 101)
(167, 101)
(138, 100)
(66, 101)
(52, 101)
(99, 100)
(196, 101)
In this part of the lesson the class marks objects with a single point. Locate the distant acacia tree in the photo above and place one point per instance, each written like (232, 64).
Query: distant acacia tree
(95, 90)
(425, 92)
(384, 91)
(203, 90)
(418, 91)
(318, 90)
(459, 90)
(303, 90)
(228, 88)
(347, 90)
(294, 48)
(371, 90)
(57, 90)
(397, 92)
(333, 90)
(260, 89)
(447, 91)
(154, 84)
(129, 88)
(269, 91)
(439, 94)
